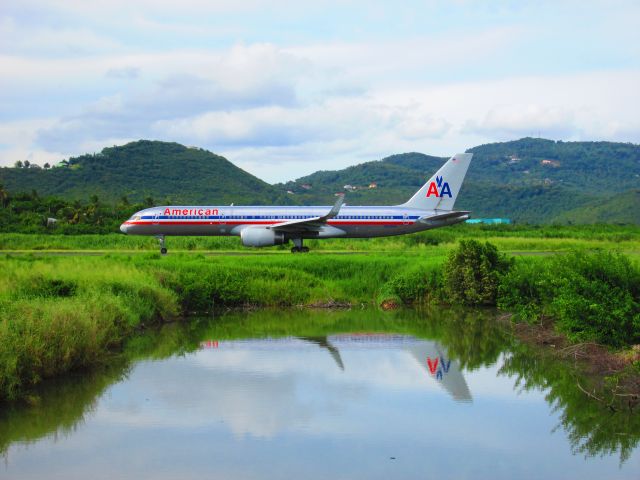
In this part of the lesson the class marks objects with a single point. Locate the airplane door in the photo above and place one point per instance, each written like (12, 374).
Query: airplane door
(405, 219)
(156, 219)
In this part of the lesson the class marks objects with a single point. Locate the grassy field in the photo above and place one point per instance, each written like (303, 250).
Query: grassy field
(514, 238)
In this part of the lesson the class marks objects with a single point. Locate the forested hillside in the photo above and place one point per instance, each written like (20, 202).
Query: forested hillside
(166, 172)
(527, 180)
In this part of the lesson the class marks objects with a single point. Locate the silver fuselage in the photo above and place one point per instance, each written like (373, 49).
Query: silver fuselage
(351, 222)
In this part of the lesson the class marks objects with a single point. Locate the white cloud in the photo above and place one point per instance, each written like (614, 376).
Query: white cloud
(19, 39)
(126, 72)
(525, 120)
(296, 92)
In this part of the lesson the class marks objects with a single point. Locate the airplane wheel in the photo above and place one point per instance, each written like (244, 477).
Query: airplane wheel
(295, 249)
(305, 249)
(163, 251)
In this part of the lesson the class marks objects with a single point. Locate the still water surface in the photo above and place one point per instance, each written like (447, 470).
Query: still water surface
(359, 394)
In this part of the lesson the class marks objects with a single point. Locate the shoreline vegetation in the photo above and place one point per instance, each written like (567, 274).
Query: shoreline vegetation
(66, 313)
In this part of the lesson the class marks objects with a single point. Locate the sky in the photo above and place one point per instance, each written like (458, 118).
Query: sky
(286, 88)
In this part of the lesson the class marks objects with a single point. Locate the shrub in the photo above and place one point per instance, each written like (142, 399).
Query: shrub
(472, 273)
(597, 297)
(526, 289)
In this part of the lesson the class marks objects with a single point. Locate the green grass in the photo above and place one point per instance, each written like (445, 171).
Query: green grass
(506, 237)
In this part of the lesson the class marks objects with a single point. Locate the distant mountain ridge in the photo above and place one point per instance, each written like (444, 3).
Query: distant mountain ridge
(527, 180)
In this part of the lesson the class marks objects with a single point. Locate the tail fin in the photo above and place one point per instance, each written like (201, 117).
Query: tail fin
(441, 190)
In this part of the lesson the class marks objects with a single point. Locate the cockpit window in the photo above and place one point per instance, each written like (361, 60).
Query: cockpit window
(134, 218)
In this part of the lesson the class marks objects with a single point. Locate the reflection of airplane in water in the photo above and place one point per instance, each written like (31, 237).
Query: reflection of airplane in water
(432, 356)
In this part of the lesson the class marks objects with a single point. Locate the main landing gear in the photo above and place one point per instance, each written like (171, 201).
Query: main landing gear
(163, 250)
(298, 248)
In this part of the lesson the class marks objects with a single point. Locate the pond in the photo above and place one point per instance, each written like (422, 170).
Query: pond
(318, 394)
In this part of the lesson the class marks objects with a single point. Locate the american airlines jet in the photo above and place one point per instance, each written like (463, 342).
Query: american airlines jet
(430, 207)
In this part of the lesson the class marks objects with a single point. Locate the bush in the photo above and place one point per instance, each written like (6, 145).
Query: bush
(526, 289)
(597, 297)
(472, 273)
(591, 296)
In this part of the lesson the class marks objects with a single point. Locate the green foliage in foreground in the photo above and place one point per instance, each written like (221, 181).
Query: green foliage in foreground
(63, 313)
(59, 316)
(473, 272)
(592, 296)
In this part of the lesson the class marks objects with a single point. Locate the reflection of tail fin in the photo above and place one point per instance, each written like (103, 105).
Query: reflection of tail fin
(324, 343)
(441, 190)
(446, 371)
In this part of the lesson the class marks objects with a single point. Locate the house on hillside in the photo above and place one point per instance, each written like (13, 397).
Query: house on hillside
(550, 163)
(373, 185)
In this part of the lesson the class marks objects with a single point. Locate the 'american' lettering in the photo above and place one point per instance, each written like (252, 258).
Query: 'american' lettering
(191, 211)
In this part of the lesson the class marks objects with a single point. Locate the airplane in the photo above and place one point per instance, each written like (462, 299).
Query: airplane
(262, 226)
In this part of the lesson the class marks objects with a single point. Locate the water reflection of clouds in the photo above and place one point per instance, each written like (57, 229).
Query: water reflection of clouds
(289, 412)
(265, 391)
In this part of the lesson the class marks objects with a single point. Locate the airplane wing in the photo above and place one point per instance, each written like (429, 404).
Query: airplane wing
(313, 223)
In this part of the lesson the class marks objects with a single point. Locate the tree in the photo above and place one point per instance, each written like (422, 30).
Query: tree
(18, 164)
(27, 164)
(46, 166)
(4, 196)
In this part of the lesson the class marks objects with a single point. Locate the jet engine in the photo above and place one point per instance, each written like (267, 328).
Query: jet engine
(261, 237)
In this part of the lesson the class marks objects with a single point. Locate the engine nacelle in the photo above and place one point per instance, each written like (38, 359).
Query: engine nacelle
(261, 237)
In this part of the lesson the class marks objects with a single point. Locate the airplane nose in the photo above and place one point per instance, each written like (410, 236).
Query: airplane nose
(123, 228)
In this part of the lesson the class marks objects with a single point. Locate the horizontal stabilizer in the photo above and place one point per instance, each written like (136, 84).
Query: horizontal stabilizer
(448, 215)
(445, 218)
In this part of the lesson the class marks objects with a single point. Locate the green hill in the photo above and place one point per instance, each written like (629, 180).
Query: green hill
(623, 208)
(528, 180)
(166, 172)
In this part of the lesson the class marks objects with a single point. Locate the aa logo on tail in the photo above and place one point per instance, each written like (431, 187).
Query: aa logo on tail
(439, 188)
